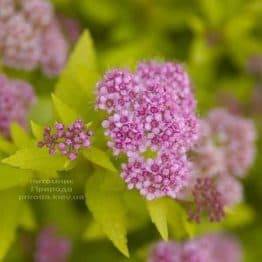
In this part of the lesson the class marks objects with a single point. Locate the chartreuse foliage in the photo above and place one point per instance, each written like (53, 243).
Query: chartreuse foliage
(115, 210)
(108, 210)
(76, 85)
(9, 204)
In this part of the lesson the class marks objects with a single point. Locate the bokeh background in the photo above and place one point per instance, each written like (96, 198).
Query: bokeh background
(218, 41)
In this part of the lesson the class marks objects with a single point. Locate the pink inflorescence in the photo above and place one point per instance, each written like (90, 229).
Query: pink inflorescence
(235, 137)
(152, 109)
(222, 154)
(208, 248)
(207, 199)
(31, 37)
(68, 140)
(52, 248)
(16, 99)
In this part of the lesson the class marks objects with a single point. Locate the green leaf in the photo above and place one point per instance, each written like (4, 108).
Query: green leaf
(6, 146)
(66, 114)
(93, 231)
(108, 211)
(26, 218)
(158, 213)
(99, 157)
(239, 215)
(178, 221)
(19, 136)
(11, 177)
(37, 130)
(36, 159)
(9, 205)
(76, 85)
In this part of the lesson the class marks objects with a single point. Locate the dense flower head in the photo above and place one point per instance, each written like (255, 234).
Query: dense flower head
(68, 140)
(51, 247)
(152, 109)
(223, 153)
(22, 44)
(157, 99)
(226, 145)
(207, 248)
(231, 190)
(166, 252)
(16, 99)
(207, 200)
(235, 137)
(153, 178)
(31, 37)
(54, 51)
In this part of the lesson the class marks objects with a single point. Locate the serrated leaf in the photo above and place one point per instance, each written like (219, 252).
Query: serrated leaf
(37, 130)
(19, 136)
(26, 218)
(66, 114)
(93, 231)
(99, 157)
(158, 212)
(76, 85)
(6, 146)
(108, 211)
(12, 177)
(9, 205)
(36, 159)
(178, 221)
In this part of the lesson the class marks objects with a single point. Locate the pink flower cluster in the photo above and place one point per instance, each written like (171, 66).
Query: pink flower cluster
(30, 36)
(16, 99)
(51, 247)
(223, 153)
(209, 248)
(68, 140)
(152, 109)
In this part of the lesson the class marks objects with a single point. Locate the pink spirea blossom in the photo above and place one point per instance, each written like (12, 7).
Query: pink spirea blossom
(31, 37)
(54, 50)
(16, 99)
(166, 252)
(231, 190)
(235, 137)
(71, 27)
(223, 153)
(208, 248)
(50, 247)
(207, 199)
(151, 109)
(68, 140)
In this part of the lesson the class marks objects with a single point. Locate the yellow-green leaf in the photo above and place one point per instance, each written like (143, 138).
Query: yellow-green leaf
(6, 146)
(11, 177)
(108, 211)
(19, 136)
(9, 205)
(99, 157)
(158, 213)
(36, 159)
(76, 85)
(66, 114)
(178, 221)
(37, 130)
(26, 218)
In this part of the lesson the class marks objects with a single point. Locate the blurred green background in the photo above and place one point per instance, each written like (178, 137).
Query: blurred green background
(218, 41)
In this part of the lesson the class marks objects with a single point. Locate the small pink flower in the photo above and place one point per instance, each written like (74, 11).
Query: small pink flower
(207, 248)
(16, 99)
(68, 140)
(51, 247)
